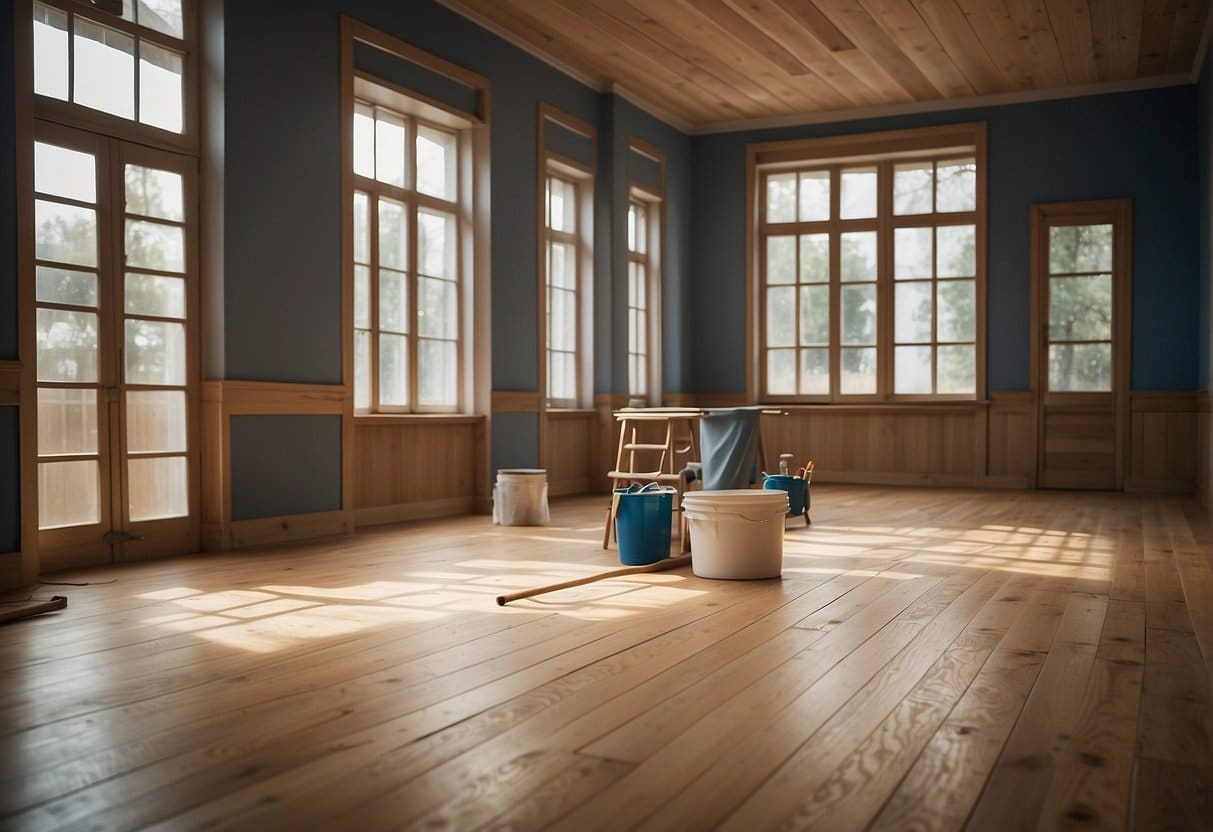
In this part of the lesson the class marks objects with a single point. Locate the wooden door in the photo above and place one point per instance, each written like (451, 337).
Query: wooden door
(115, 300)
(1082, 287)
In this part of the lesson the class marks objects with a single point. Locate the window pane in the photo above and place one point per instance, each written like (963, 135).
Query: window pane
(389, 149)
(781, 372)
(561, 268)
(154, 193)
(362, 297)
(957, 370)
(67, 345)
(436, 162)
(912, 187)
(814, 315)
(364, 141)
(956, 186)
(362, 369)
(437, 374)
(858, 193)
(153, 245)
(393, 301)
(815, 372)
(64, 286)
(562, 377)
(857, 256)
(814, 258)
(912, 370)
(815, 196)
(104, 69)
(781, 259)
(858, 371)
(1080, 248)
(957, 250)
(858, 314)
(912, 254)
(562, 320)
(1080, 308)
(155, 352)
(393, 235)
(162, 15)
(436, 308)
(60, 171)
(50, 52)
(65, 233)
(637, 331)
(562, 206)
(362, 229)
(781, 317)
(155, 421)
(957, 308)
(393, 370)
(160, 99)
(781, 197)
(436, 243)
(637, 286)
(158, 488)
(69, 493)
(67, 421)
(912, 314)
(1080, 367)
(637, 228)
(162, 297)
(638, 379)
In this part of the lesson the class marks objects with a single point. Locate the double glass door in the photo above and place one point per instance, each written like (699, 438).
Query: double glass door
(115, 295)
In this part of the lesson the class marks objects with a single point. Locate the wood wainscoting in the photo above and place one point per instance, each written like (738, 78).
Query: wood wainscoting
(1163, 444)
(1204, 451)
(569, 448)
(416, 467)
(1011, 455)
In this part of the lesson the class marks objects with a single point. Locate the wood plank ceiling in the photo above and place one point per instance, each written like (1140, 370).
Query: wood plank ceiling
(714, 62)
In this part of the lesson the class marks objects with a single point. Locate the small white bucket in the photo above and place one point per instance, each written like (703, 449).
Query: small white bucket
(736, 535)
(520, 497)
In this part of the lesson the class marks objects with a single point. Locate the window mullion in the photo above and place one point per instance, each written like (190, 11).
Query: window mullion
(835, 286)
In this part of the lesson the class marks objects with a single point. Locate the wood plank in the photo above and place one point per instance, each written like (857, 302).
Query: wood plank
(1071, 22)
(1185, 35)
(954, 33)
(1116, 29)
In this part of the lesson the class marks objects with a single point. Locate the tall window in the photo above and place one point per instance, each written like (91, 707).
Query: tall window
(563, 308)
(869, 273)
(129, 64)
(639, 290)
(407, 269)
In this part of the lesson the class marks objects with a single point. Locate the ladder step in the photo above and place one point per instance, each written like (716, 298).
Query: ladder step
(641, 446)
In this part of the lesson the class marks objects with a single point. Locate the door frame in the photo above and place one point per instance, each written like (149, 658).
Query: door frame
(1118, 212)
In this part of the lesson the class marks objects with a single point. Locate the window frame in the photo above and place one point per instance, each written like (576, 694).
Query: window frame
(653, 200)
(580, 175)
(79, 115)
(883, 151)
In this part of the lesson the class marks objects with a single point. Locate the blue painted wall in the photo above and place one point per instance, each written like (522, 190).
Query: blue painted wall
(1204, 92)
(1141, 145)
(285, 465)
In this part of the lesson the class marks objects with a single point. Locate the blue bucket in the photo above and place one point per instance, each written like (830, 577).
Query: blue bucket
(797, 488)
(642, 524)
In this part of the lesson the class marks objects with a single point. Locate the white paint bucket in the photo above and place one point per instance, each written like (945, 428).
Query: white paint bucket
(520, 497)
(736, 534)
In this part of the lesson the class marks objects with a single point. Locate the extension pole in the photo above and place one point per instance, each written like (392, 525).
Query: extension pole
(659, 566)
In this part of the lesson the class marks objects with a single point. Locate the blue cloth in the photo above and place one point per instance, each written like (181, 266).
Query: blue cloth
(728, 442)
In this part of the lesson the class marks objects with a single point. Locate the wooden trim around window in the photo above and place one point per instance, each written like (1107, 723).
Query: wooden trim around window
(655, 249)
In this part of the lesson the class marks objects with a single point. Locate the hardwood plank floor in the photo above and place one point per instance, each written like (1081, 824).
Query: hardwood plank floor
(935, 659)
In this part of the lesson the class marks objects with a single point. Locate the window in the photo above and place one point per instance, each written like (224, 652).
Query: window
(130, 66)
(561, 243)
(638, 300)
(869, 269)
(407, 264)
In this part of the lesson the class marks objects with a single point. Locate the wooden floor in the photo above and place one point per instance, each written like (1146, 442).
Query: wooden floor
(931, 659)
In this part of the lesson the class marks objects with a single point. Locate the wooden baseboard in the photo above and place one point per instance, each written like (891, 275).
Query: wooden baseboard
(403, 512)
(1025, 482)
(896, 478)
(1149, 486)
(290, 527)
